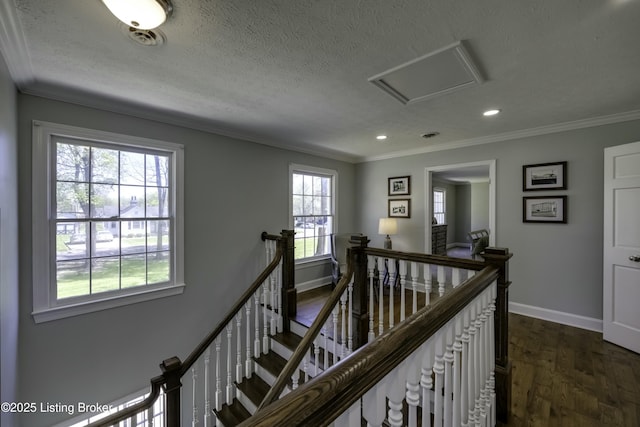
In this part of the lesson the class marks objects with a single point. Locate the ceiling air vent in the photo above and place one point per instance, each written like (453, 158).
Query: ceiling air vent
(433, 74)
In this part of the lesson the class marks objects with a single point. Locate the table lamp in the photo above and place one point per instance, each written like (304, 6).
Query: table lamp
(387, 226)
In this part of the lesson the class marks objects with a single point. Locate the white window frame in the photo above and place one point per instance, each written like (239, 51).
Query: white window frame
(299, 168)
(45, 306)
(444, 204)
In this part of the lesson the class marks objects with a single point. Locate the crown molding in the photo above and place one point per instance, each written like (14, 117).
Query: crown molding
(525, 133)
(13, 45)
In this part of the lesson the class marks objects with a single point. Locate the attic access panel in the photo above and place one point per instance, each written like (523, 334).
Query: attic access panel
(436, 73)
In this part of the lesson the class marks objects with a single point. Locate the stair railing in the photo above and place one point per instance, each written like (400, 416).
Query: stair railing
(267, 306)
(442, 363)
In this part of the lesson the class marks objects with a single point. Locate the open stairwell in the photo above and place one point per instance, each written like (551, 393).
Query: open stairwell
(404, 339)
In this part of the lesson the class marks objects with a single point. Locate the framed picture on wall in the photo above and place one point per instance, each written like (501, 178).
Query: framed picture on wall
(544, 209)
(544, 176)
(400, 208)
(400, 186)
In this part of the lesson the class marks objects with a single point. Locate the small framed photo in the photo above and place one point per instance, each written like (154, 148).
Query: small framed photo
(400, 186)
(544, 209)
(400, 208)
(544, 176)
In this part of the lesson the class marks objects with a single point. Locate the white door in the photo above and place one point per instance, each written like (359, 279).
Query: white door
(621, 282)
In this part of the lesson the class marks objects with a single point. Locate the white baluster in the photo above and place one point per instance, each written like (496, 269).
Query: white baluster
(207, 391)
(350, 320)
(373, 405)
(464, 374)
(472, 365)
(265, 329)
(351, 417)
(391, 267)
(457, 370)
(403, 278)
(415, 272)
(381, 298)
(218, 376)
(438, 370)
(305, 365)
(248, 363)
(229, 369)
(343, 324)
(412, 395)
(295, 379)
(371, 263)
(194, 405)
(239, 366)
(316, 355)
(426, 382)
(256, 343)
(273, 322)
(492, 354)
(448, 374)
(396, 383)
(336, 311)
(325, 347)
(441, 280)
(455, 276)
(278, 298)
(484, 397)
(427, 284)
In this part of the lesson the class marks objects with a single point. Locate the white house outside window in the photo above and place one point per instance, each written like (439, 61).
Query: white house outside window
(439, 207)
(112, 221)
(313, 202)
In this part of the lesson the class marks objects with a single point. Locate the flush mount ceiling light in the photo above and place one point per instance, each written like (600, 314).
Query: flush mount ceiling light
(142, 14)
(489, 113)
(381, 137)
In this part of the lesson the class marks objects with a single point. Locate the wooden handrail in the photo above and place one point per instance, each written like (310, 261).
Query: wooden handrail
(307, 340)
(466, 264)
(156, 385)
(177, 369)
(324, 398)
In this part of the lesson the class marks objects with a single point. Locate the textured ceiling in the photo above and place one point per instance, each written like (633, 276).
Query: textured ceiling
(294, 74)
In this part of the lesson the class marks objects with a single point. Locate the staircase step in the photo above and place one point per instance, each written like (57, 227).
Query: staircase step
(273, 364)
(232, 415)
(254, 389)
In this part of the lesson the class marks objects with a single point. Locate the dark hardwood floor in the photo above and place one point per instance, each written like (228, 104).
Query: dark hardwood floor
(562, 376)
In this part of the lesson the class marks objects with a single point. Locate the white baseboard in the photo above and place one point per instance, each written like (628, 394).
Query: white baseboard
(312, 284)
(583, 322)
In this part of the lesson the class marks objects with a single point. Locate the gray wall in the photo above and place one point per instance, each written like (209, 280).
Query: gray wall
(8, 243)
(555, 266)
(479, 206)
(234, 190)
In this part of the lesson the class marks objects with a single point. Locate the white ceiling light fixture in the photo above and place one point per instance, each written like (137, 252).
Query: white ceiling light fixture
(142, 14)
(381, 137)
(490, 113)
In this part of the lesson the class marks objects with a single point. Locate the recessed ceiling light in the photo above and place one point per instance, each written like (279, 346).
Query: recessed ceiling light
(381, 137)
(490, 113)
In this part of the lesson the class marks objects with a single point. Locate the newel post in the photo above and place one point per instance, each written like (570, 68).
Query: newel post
(500, 258)
(289, 295)
(360, 314)
(171, 372)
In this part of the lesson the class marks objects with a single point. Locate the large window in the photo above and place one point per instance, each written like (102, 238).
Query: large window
(439, 206)
(111, 227)
(313, 202)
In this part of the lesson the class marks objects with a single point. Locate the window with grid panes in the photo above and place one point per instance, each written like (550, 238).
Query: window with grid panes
(439, 209)
(111, 220)
(313, 211)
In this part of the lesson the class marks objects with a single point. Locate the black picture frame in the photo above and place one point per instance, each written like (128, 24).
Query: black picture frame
(399, 208)
(399, 186)
(545, 209)
(544, 176)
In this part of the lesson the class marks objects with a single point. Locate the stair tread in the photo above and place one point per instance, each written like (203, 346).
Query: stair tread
(274, 364)
(255, 388)
(288, 339)
(234, 414)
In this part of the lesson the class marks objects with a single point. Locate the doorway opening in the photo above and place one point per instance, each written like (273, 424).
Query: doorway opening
(480, 177)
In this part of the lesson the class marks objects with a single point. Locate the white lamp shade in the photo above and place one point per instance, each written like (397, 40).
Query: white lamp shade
(388, 226)
(143, 14)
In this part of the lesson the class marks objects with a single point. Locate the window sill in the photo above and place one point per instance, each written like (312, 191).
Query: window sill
(312, 262)
(55, 313)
